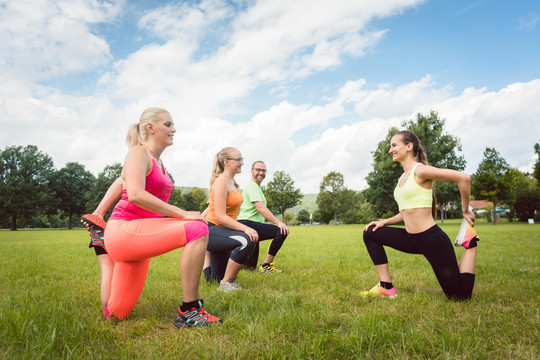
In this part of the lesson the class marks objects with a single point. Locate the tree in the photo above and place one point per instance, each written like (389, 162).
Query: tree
(71, 185)
(382, 180)
(536, 171)
(527, 200)
(488, 181)
(177, 198)
(281, 194)
(196, 200)
(441, 149)
(333, 197)
(359, 211)
(303, 216)
(514, 180)
(101, 184)
(25, 174)
(317, 216)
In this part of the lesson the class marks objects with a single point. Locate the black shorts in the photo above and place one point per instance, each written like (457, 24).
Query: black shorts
(99, 250)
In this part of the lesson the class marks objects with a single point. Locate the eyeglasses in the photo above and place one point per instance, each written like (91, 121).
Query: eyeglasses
(240, 159)
(259, 170)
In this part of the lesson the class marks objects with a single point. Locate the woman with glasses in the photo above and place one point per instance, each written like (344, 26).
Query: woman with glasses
(230, 243)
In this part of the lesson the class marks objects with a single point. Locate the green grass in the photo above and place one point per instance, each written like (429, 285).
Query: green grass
(49, 303)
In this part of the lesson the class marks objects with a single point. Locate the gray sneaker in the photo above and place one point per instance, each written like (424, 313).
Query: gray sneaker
(229, 286)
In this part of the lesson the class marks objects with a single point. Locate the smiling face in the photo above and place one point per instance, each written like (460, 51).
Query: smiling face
(163, 130)
(258, 172)
(398, 149)
(234, 161)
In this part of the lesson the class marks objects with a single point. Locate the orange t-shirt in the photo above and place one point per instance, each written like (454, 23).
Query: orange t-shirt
(234, 201)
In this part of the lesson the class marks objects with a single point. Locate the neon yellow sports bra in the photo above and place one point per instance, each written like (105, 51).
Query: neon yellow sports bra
(411, 195)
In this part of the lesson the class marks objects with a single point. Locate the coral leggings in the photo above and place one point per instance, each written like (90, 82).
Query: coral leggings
(131, 244)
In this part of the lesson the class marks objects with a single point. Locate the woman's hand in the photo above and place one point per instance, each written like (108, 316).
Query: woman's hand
(377, 224)
(193, 215)
(469, 216)
(253, 235)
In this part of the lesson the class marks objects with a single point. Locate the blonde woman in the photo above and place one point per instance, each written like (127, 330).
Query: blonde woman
(415, 198)
(138, 231)
(230, 243)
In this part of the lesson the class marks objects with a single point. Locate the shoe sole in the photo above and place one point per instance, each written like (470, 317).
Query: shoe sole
(184, 325)
(380, 295)
(94, 220)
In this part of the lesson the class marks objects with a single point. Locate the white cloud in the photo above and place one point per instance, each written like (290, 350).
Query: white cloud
(528, 22)
(42, 39)
(263, 44)
(200, 75)
(388, 101)
(506, 120)
(189, 21)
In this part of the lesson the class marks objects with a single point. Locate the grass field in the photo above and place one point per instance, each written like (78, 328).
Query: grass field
(49, 303)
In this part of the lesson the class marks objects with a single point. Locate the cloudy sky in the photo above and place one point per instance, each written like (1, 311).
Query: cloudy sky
(309, 86)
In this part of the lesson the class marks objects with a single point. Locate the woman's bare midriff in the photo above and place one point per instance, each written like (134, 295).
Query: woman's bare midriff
(417, 220)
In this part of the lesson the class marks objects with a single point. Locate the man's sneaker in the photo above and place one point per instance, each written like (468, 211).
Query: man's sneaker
(196, 316)
(229, 286)
(96, 225)
(465, 235)
(269, 269)
(378, 290)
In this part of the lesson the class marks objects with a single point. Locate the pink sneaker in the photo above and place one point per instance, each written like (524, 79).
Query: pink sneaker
(378, 290)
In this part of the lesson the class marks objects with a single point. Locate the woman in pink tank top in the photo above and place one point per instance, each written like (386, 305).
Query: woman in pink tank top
(144, 225)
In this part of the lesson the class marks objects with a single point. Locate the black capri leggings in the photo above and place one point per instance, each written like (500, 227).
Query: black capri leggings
(225, 243)
(266, 232)
(436, 247)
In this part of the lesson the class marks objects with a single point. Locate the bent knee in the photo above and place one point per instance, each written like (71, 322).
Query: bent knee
(196, 230)
(368, 234)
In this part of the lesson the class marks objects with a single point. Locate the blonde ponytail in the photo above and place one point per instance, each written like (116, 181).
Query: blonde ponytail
(137, 133)
(219, 164)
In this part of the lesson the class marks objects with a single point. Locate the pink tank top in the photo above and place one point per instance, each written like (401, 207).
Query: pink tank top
(157, 184)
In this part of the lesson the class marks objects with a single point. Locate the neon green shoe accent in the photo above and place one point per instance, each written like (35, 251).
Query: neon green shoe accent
(378, 290)
(269, 269)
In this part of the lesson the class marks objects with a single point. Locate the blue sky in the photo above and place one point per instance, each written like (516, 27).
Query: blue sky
(308, 86)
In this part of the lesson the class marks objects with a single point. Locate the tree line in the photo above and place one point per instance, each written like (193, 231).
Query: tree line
(35, 194)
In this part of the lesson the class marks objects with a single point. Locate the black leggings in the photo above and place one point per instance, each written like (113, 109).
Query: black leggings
(225, 243)
(266, 232)
(436, 247)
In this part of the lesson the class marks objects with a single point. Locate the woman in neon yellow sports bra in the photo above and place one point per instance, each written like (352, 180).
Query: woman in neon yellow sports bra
(421, 235)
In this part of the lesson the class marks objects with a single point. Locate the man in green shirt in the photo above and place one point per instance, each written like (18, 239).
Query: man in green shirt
(254, 212)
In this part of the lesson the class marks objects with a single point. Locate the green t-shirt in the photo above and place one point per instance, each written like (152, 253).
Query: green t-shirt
(252, 193)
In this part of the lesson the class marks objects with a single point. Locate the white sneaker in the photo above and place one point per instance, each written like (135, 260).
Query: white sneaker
(230, 286)
(465, 235)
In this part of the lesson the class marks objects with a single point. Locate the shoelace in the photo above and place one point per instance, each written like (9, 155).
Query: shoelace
(95, 237)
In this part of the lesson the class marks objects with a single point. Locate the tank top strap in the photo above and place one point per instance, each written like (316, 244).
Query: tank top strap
(162, 169)
(231, 188)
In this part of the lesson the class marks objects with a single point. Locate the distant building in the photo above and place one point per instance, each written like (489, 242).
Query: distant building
(480, 204)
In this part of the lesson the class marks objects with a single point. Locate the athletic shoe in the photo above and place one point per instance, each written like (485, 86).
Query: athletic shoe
(269, 269)
(96, 225)
(465, 235)
(229, 286)
(196, 316)
(378, 290)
